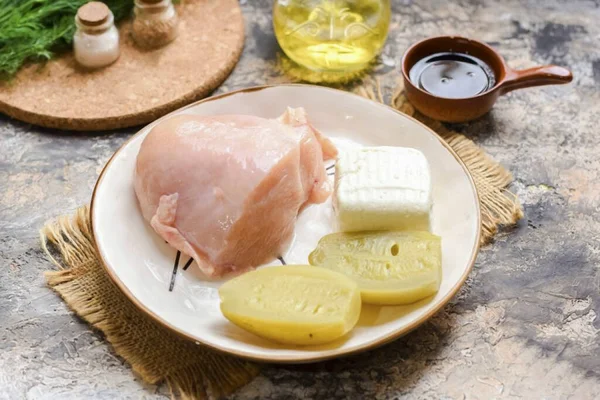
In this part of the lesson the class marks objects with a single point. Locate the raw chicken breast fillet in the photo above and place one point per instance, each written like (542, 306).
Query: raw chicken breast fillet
(226, 190)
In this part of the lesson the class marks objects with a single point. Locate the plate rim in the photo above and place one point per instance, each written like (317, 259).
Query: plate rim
(291, 359)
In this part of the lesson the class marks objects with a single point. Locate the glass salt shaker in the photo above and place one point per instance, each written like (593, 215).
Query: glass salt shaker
(96, 40)
(155, 23)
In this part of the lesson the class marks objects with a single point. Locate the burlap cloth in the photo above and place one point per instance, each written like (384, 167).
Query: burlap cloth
(192, 371)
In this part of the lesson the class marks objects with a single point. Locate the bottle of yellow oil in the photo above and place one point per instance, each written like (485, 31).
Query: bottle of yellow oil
(331, 35)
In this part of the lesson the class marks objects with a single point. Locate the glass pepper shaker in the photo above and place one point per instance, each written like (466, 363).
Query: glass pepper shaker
(96, 40)
(155, 23)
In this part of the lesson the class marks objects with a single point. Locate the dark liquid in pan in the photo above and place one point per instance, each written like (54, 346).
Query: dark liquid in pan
(452, 75)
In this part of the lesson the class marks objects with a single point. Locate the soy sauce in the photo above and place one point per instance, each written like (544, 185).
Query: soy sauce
(452, 75)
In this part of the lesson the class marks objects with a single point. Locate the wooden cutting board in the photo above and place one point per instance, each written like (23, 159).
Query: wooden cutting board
(141, 85)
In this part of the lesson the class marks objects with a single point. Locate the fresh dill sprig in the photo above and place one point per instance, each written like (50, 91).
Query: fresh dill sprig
(35, 30)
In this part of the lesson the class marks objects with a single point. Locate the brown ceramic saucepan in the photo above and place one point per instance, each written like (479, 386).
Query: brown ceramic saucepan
(455, 79)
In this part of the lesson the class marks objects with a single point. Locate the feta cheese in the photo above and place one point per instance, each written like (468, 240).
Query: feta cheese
(382, 188)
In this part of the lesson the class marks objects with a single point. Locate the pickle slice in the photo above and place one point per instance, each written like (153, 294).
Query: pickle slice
(390, 267)
(292, 304)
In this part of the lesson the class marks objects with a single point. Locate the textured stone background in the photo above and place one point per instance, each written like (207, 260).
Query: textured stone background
(524, 326)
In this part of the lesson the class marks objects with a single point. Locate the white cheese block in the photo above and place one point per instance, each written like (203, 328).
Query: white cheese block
(382, 188)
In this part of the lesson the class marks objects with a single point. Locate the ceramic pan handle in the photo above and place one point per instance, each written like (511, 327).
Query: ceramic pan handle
(537, 76)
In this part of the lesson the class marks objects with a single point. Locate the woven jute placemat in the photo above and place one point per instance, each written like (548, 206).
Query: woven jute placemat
(190, 370)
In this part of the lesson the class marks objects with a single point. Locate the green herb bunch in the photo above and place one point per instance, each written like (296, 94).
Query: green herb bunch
(34, 30)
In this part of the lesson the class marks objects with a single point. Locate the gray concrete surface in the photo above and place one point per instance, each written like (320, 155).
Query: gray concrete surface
(524, 326)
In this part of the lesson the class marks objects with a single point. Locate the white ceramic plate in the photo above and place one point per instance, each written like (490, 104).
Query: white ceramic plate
(141, 264)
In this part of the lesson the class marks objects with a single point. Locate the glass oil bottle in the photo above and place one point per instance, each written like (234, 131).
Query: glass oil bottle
(331, 35)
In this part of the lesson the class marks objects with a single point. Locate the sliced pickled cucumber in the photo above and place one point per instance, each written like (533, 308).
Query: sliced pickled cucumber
(389, 267)
(292, 304)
